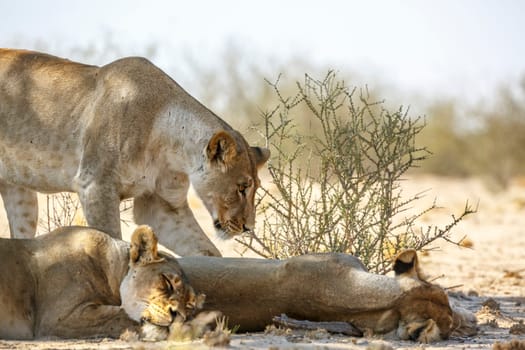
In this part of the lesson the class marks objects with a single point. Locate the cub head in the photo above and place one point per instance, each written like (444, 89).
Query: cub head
(229, 181)
(154, 289)
(425, 312)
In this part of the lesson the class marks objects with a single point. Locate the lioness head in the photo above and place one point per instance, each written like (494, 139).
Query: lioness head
(154, 289)
(230, 181)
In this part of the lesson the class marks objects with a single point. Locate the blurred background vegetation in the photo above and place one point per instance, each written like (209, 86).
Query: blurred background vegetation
(482, 138)
(478, 138)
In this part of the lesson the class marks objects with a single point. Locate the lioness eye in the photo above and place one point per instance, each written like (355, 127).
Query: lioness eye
(242, 189)
(167, 283)
(244, 186)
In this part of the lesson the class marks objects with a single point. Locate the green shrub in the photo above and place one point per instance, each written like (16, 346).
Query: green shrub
(336, 188)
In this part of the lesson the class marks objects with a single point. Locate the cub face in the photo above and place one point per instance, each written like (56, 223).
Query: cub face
(424, 309)
(230, 181)
(154, 289)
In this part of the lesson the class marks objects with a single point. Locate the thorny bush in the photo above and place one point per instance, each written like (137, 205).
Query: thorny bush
(336, 187)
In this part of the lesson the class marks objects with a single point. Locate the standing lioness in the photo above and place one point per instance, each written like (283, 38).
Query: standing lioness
(122, 130)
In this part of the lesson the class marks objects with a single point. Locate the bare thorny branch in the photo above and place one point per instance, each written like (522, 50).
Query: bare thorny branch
(336, 189)
(64, 209)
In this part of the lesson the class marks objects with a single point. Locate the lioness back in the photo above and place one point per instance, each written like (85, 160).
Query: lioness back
(44, 126)
(32, 137)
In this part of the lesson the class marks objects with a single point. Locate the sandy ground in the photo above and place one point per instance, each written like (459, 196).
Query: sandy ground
(487, 279)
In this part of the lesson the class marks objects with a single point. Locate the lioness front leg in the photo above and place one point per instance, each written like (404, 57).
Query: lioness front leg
(176, 227)
(92, 320)
(100, 202)
(21, 206)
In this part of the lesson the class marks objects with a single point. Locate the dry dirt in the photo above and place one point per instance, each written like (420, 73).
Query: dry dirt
(488, 278)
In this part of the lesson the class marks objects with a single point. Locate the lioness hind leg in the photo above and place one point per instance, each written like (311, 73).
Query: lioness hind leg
(21, 206)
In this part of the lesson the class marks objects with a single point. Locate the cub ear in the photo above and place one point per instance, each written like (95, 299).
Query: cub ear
(221, 149)
(406, 264)
(261, 155)
(143, 248)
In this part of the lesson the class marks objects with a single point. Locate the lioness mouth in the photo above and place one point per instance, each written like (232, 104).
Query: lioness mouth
(225, 232)
(230, 230)
(164, 321)
(144, 321)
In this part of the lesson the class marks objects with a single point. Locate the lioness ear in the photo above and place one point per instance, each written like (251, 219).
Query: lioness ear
(143, 248)
(221, 149)
(261, 155)
(407, 264)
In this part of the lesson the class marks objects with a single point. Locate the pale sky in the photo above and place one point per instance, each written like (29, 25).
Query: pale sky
(450, 48)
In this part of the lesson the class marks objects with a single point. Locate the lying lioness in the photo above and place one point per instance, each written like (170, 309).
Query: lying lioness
(78, 282)
(328, 287)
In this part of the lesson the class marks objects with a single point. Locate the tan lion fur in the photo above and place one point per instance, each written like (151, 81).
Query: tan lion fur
(78, 282)
(326, 287)
(123, 130)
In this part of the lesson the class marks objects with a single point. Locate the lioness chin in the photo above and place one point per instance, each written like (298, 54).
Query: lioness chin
(123, 130)
(78, 282)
